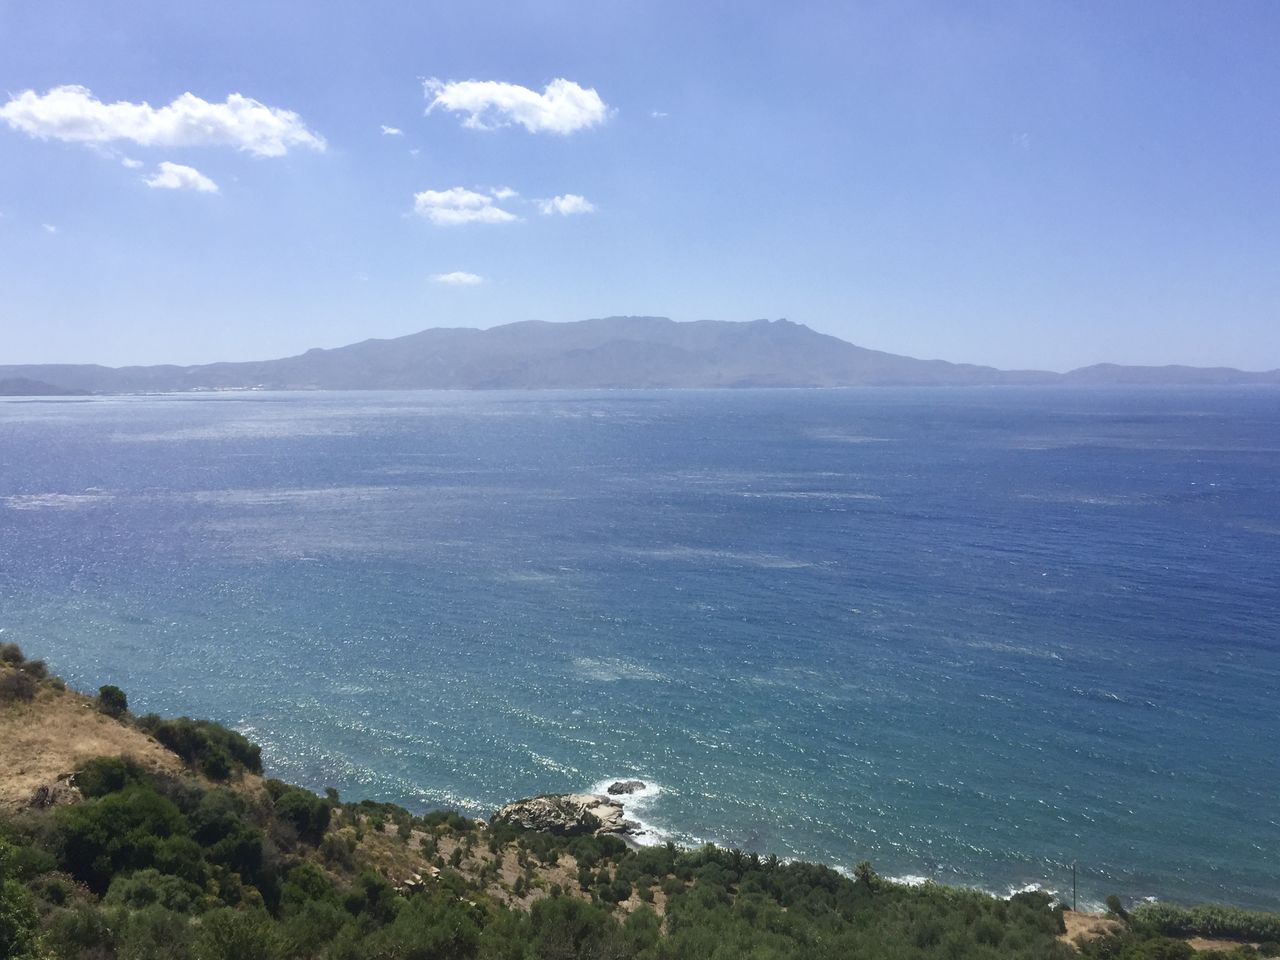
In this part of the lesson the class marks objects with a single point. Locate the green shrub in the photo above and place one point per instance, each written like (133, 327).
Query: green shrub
(154, 933)
(18, 922)
(112, 701)
(305, 812)
(16, 687)
(126, 830)
(11, 654)
(427, 928)
(143, 888)
(35, 669)
(207, 746)
(1116, 908)
(226, 934)
(1208, 920)
(103, 775)
(21, 862)
(569, 927)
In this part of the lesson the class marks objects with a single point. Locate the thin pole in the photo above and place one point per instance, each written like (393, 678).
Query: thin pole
(1073, 885)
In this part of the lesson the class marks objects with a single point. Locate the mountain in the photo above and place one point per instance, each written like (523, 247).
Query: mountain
(613, 352)
(26, 387)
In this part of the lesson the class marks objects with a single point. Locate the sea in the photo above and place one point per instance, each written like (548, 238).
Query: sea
(973, 635)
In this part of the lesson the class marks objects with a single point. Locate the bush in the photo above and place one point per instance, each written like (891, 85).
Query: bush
(35, 669)
(146, 887)
(1210, 920)
(1116, 908)
(210, 747)
(126, 830)
(11, 654)
(427, 928)
(80, 931)
(305, 812)
(16, 686)
(103, 775)
(18, 921)
(112, 701)
(226, 934)
(154, 933)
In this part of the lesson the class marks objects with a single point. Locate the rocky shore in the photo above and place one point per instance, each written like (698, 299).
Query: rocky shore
(570, 815)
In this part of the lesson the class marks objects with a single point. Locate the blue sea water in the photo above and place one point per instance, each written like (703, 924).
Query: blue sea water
(968, 634)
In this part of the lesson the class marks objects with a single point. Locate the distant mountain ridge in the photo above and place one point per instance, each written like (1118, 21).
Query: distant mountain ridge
(26, 387)
(611, 352)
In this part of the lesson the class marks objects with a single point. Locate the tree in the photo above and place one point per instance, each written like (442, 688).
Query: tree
(18, 921)
(866, 875)
(1116, 908)
(112, 701)
(16, 685)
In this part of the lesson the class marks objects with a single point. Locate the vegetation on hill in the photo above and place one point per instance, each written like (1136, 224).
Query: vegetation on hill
(211, 862)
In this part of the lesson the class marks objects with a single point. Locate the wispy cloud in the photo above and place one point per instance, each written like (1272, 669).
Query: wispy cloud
(131, 163)
(176, 176)
(48, 228)
(504, 193)
(391, 131)
(458, 278)
(659, 114)
(562, 107)
(458, 205)
(74, 114)
(566, 205)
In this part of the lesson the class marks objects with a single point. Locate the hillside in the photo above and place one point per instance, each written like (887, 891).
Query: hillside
(55, 733)
(169, 843)
(613, 352)
(26, 387)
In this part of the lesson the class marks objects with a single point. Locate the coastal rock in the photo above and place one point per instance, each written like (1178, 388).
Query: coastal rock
(623, 787)
(567, 815)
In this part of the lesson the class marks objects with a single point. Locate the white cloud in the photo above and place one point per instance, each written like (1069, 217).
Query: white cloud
(74, 114)
(659, 114)
(562, 107)
(458, 278)
(175, 176)
(391, 131)
(566, 204)
(504, 193)
(459, 205)
(49, 228)
(132, 164)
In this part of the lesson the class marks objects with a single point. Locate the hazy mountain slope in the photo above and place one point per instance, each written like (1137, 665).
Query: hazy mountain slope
(612, 352)
(26, 387)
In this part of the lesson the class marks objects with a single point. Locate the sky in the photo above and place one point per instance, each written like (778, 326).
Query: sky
(1031, 184)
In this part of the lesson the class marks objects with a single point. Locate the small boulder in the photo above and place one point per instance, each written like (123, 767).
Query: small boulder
(624, 787)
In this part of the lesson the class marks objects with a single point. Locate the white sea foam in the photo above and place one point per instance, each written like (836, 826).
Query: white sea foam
(54, 501)
(635, 806)
(607, 670)
(700, 555)
(906, 880)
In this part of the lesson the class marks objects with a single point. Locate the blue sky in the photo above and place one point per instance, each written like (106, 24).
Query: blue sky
(1033, 184)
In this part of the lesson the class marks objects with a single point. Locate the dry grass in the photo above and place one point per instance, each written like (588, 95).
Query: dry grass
(1200, 943)
(1088, 926)
(55, 733)
(400, 859)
